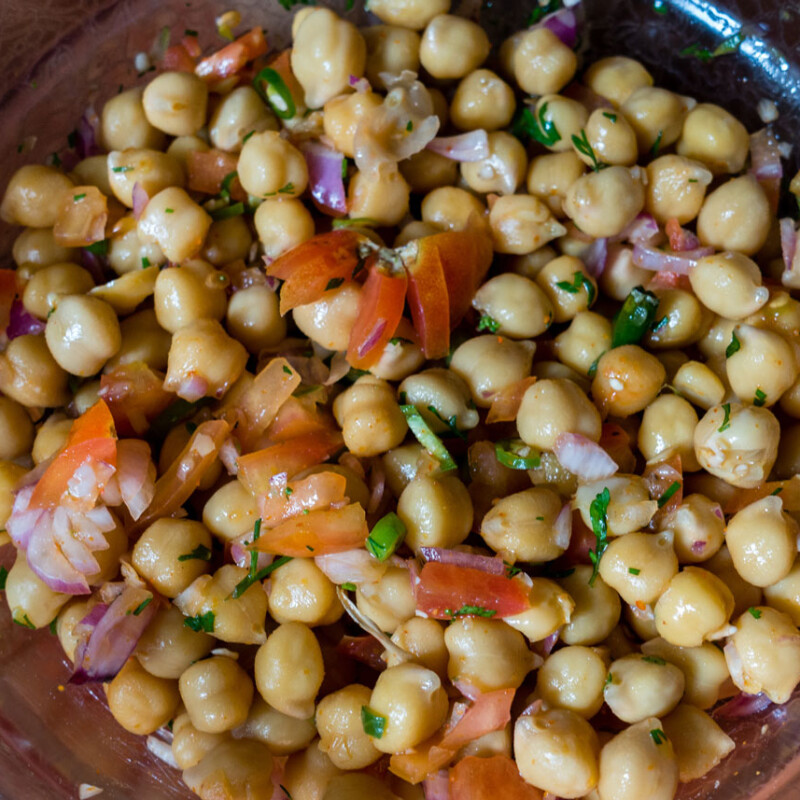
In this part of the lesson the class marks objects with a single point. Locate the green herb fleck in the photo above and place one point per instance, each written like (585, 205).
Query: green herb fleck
(581, 144)
(142, 606)
(659, 737)
(609, 680)
(272, 88)
(725, 47)
(55, 159)
(98, 248)
(355, 222)
(334, 283)
(609, 115)
(288, 189)
(542, 10)
(257, 526)
(427, 438)
(634, 318)
(288, 370)
(374, 724)
(515, 454)
(655, 660)
(755, 613)
(633, 570)
(247, 136)
(487, 323)
(734, 346)
(200, 553)
(579, 280)
(542, 130)
(386, 536)
(451, 422)
(169, 210)
(657, 145)
(668, 494)
(511, 570)
(692, 180)
(349, 587)
(726, 423)
(466, 611)
(3, 577)
(78, 197)
(285, 791)
(201, 622)
(24, 622)
(776, 492)
(598, 513)
(225, 212)
(189, 32)
(306, 511)
(121, 169)
(225, 186)
(660, 7)
(410, 126)
(145, 262)
(52, 626)
(760, 398)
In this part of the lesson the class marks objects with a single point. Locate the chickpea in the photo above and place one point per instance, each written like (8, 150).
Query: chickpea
(342, 115)
(282, 224)
(254, 318)
(279, 682)
(554, 406)
(217, 694)
(637, 763)
(33, 196)
(557, 750)
(302, 593)
(281, 733)
(611, 137)
(699, 525)
(237, 768)
(584, 341)
(30, 375)
(175, 103)
(341, 732)
(616, 78)
(152, 170)
(596, 608)
(175, 223)
(414, 703)
(49, 284)
(128, 253)
(108, 559)
(424, 172)
(520, 307)
(784, 595)
(502, 171)
(189, 361)
(490, 363)
(156, 555)
(359, 786)
(16, 430)
(496, 743)
(329, 320)
(37, 247)
(685, 320)
(642, 623)
(763, 654)
(143, 340)
(567, 116)
(403, 464)
(239, 113)
(716, 138)
(621, 275)
(743, 452)
(50, 437)
(390, 49)
(443, 391)
(140, 702)
(551, 175)
(551, 609)
(167, 647)
(450, 208)
(188, 293)
(698, 383)
(66, 623)
(676, 188)
(452, 47)
(227, 240)
(382, 196)
(10, 475)
(744, 593)
(542, 63)
(656, 115)
(627, 380)
(308, 773)
(124, 124)
(668, 427)
(521, 526)
(699, 743)
(763, 367)
(93, 171)
(482, 100)
(521, 224)
(437, 511)
(413, 14)
(573, 678)
(189, 745)
(269, 164)
(424, 639)
(603, 204)
(31, 601)
(651, 554)
(355, 487)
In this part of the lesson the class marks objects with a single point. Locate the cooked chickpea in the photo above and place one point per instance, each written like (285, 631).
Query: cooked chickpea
(302, 593)
(698, 383)
(651, 556)
(542, 63)
(699, 743)
(565, 115)
(124, 124)
(49, 284)
(254, 319)
(627, 380)
(30, 375)
(16, 430)
(573, 678)
(33, 196)
(502, 171)
(521, 224)
(437, 511)
(490, 363)
(189, 745)
(557, 750)
(551, 175)
(189, 368)
(152, 170)
(596, 610)
(737, 443)
(93, 171)
(764, 654)
(129, 253)
(142, 340)
(449, 207)
(234, 768)
(281, 733)
(413, 14)
(611, 137)
(188, 293)
(521, 526)
(452, 47)
(744, 593)
(31, 601)
(269, 164)
(638, 763)
(175, 223)
(444, 391)
(328, 321)
(390, 49)
(36, 247)
(399, 358)
(217, 694)
(676, 188)
(227, 240)
(282, 224)
(714, 137)
(424, 639)
(621, 275)
(239, 113)
(699, 525)
(182, 147)
(10, 475)
(424, 172)
(584, 341)
(156, 555)
(784, 595)
(518, 304)
(361, 786)
(66, 623)
(140, 702)
(554, 406)
(656, 115)
(685, 320)
(341, 732)
(667, 428)
(551, 608)
(617, 78)
(603, 204)
(482, 100)
(736, 216)
(309, 772)
(51, 436)
(380, 195)
(342, 115)
(175, 103)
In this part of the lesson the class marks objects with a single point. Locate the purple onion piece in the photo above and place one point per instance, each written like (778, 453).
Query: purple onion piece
(471, 146)
(20, 322)
(325, 177)
(493, 566)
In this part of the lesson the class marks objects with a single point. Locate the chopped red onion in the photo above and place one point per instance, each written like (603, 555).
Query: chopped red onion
(743, 705)
(562, 527)
(492, 565)
(583, 457)
(656, 260)
(20, 322)
(698, 547)
(595, 257)
(229, 456)
(361, 85)
(563, 24)
(471, 146)
(641, 230)
(136, 474)
(351, 566)
(437, 786)
(373, 338)
(86, 134)
(192, 388)
(95, 265)
(788, 242)
(468, 690)
(765, 157)
(339, 368)
(549, 642)
(365, 649)
(140, 199)
(325, 177)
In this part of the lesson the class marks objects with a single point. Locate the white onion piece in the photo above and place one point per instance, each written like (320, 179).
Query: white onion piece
(642, 230)
(351, 566)
(241, 555)
(791, 274)
(88, 790)
(655, 260)
(471, 146)
(136, 474)
(583, 457)
(562, 527)
(735, 665)
(229, 456)
(192, 388)
(140, 200)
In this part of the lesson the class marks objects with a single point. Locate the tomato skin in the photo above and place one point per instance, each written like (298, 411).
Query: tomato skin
(299, 416)
(178, 59)
(208, 169)
(428, 301)
(445, 588)
(379, 313)
(317, 491)
(308, 269)
(475, 778)
(233, 57)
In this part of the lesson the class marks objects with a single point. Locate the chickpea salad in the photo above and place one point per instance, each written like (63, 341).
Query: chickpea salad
(385, 418)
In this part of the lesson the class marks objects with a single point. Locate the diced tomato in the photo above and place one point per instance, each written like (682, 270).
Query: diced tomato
(230, 59)
(8, 291)
(446, 588)
(92, 436)
(299, 416)
(668, 280)
(291, 456)
(506, 403)
(490, 711)
(366, 649)
(192, 46)
(615, 441)
(428, 301)
(178, 58)
(207, 171)
(379, 313)
(475, 778)
(135, 396)
(309, 269)
(317, 533)
(316, 492)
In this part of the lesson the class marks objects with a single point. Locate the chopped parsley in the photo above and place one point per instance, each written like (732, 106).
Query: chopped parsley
(668, 494)
(3, 577)
(633, 570)
(226, 212)
(726, 423)
(543, 130)
(334, 283)
(466, 610)
(657, 145)
(659, 737)
(655, 660)
(52, 626)
(725, 47)
(511, 570)
(169, 210)
(760, 398)
(257, 576)
(142, 606)
(598, 512)
(776, 492)
(451, 422)
(200, 553)
(257, 526)
(579, 280)
(247, 136)
(145, 262)
(609, 115)
(609, 680)
(355, 222)
(754, 612)
(734, 346)
(410, 126)
(349, 587)
(285, 791)
(121, 169)
(201, 622)
(635, 317)
(581, 144)
(78, 197)
(98, 248)
(487, 323)
(225, 186)
(374, 724)
(288, 370)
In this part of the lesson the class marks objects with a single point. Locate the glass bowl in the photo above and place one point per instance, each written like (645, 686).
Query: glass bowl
(58, 57)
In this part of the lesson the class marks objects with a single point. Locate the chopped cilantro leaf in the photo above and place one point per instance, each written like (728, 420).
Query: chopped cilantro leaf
(581, 144)
(201, 622)
(755, 613)
(668, 494)
(726, 423)
(760, 398)
(3, 576)
(734, 346)
(374, 724)
(598, 513)
(334, 283)
(200, 553)
(659, 737)
(466, 610)
(487, 323)
(542, 130)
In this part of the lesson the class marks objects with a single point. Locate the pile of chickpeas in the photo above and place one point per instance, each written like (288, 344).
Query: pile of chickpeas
(620, 708)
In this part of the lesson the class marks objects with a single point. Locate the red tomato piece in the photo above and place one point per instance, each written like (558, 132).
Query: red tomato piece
(317, 533)
(310, 268)
(379, 313)
(366, 649)
(178, 58)
(446, 588)
(230, 59)
(490, 711)
(317, 491)
(475, 778)
(135, 396)
(299, 416)
(428, 300)
(192, 46)
(207, 170)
